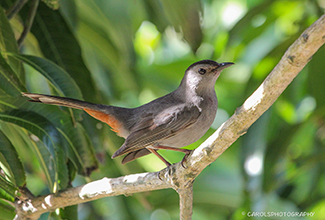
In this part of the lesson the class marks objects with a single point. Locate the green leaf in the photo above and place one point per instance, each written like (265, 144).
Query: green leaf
(53, 4)
(244, 25)
(9, 82)
(275, 153)
(63, 175)
(8, 44)
(109, 45)
(185, 14)
(7, 210)
(59, 79)
(11, 71)
(8, 103)
(156, 15)
(65, 86)
(70, 212)
(58, 44)
(10, 162)
(7, 189)
(79, 151)
(87, 152)
(44, 145)
(74, 139)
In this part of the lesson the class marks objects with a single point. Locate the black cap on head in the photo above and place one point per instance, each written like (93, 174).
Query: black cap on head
(210, 62)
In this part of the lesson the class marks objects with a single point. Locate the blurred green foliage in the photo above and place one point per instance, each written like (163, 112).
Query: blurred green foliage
(127, 53)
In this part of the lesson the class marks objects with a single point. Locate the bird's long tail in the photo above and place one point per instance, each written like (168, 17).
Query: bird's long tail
(100, 112)
(61, 101)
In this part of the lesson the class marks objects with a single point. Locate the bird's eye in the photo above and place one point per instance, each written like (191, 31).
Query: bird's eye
(202, 71)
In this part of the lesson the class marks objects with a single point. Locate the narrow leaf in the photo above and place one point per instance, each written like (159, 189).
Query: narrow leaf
(63, 175)
(8, 44)
(10, 162)
(7, 210)
(59, 44)
(53, 4)
(79, 151)
(57, 77)
(44, 146)
(8, 79)
(185, 14)
(74, 139)
(70, 212)
(7, 189)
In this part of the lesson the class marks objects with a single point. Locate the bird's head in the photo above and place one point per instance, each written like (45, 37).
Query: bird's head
(202, 75)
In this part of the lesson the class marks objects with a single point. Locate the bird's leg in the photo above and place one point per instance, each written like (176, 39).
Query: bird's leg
(159, 147)
(185, 157)
(154, 151)
(185, 151)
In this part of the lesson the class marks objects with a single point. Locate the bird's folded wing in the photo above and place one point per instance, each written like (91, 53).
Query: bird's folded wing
(154, 128)
(135, 154)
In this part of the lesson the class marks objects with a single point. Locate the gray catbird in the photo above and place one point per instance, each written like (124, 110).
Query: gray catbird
(169, 122)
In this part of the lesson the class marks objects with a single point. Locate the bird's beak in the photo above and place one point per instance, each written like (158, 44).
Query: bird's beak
(224, 65)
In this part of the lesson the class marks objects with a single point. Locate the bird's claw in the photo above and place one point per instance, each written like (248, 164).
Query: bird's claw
(185, 157)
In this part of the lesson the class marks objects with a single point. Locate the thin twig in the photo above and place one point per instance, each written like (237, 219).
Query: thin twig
(29, 22)
(176, 176)
(11, 12)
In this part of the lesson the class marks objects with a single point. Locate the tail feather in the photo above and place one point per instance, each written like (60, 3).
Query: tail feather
(103, 113)
(61, 101)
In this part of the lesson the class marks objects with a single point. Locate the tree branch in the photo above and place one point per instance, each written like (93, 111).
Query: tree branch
(175, 176)
(11, 12)
(185, 202)
(126, 185)
(29, 22)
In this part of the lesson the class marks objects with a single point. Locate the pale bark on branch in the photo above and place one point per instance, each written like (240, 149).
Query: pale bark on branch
(180, 178)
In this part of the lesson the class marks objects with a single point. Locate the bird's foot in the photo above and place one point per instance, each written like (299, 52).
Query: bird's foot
(187, 153)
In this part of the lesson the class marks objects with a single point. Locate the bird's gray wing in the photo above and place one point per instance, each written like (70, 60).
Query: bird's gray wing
(154, 128)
